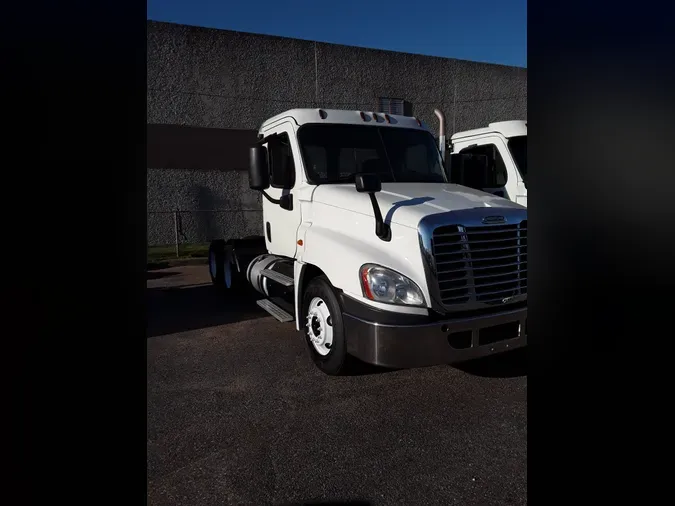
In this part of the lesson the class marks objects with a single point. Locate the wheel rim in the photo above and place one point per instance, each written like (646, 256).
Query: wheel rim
(320, 326)
(212, 264)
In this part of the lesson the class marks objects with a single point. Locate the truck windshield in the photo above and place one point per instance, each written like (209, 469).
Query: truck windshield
(335, 153)
(518, 148)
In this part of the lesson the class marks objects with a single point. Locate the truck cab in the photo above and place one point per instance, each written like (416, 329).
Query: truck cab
(369, 250)
(504, 144)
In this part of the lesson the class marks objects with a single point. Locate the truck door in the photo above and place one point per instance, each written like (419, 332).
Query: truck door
(281, 225)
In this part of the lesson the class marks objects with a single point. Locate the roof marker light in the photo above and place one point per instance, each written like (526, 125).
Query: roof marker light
(386, 116)
(322, 114)
(363, 116)
(375, 116)
(418, 122)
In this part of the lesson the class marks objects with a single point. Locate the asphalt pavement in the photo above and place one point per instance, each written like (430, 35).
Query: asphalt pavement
(238, 414)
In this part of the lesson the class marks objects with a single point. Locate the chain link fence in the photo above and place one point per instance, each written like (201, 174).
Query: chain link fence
(180, 228)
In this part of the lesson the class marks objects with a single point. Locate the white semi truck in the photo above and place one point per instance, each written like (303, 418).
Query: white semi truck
(369, 250)
(504, 146)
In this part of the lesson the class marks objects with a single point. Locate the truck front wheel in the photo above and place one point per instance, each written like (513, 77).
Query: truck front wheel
(323, 327)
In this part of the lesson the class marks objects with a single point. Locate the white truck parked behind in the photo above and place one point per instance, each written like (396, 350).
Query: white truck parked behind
(504, 144)
(370, 251)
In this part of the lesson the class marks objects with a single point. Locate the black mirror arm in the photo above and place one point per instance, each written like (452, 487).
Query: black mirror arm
(272, 200)
(285, 202)
(382, 230)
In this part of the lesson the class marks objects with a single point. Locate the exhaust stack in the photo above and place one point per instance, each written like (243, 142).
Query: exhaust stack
(441, 132)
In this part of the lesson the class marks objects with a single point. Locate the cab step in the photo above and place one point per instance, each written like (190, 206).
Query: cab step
(279, 313)
(278, 277)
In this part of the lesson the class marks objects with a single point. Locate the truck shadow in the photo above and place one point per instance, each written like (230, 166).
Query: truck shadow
(512, 364)
(159, 274)
(405, 203)
(360, 368)
(330, 503)
(184, 308)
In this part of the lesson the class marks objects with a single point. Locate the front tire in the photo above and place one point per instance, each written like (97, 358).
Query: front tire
(324, 328)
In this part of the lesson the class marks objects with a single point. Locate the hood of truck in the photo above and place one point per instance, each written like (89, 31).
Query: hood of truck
(407, 203)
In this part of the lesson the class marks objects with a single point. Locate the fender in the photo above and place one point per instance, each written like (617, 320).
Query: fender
(340, 255)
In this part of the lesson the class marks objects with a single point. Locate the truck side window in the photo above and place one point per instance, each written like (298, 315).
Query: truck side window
(282, 167)
(496, 165)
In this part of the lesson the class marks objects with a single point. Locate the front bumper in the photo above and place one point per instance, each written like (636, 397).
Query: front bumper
(434, 343)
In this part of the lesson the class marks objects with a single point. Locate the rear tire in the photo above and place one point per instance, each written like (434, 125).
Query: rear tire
(234, 280)
(223, 267)
(323, 328)
(217, 262)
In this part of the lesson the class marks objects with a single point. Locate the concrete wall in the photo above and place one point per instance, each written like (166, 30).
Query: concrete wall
(213, 204)
(209, 78)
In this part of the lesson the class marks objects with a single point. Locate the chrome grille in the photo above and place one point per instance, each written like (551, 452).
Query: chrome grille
(483, 264)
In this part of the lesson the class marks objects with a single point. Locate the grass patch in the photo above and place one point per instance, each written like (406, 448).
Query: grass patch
(160, 253)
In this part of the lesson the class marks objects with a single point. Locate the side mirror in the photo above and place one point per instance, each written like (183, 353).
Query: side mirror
(367, 183)
(371, 184)
(258, 172)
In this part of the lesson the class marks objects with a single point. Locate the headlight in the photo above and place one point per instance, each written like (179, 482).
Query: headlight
(384, 285)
